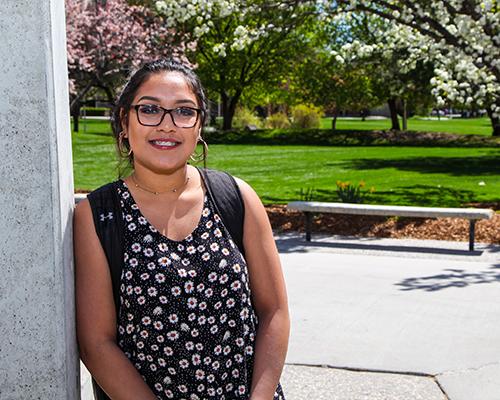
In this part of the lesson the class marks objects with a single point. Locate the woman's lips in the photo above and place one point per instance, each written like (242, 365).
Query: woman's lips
(164, 144)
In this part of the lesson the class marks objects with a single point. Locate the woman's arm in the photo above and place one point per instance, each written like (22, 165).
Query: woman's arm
(268, 296)
(96, 316)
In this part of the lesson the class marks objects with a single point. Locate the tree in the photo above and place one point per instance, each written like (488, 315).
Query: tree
(399, 75)
(462, 36)
(325, 81)
(105, 41)
(237, 44)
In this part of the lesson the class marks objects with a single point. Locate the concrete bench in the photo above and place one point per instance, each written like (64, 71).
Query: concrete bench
(309, 208)
(79, 197)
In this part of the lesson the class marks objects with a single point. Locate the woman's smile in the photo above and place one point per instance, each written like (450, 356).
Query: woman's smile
(165, 144)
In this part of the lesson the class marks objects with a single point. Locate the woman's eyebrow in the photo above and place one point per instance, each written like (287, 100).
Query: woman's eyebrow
(185, 101)
(149, 98)
(180, 101)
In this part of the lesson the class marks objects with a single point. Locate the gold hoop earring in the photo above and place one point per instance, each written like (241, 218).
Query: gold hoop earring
(123, 151)
(200, 156)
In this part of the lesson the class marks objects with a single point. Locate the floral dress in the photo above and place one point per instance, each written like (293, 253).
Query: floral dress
(186, 319)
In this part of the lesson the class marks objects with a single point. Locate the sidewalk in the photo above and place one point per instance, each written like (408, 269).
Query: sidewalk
(385, 305)
(379, 319)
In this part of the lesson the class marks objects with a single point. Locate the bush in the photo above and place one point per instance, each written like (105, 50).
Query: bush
(244, 117)
(351, 193)
(277, 121)
(304, 116)
(94, 111)
(325, 137)
(307, 194)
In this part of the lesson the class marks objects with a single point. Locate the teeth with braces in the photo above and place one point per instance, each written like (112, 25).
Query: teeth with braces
(163, 143)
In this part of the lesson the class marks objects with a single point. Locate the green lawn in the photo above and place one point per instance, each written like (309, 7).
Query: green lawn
(401, 175)
(475, 126)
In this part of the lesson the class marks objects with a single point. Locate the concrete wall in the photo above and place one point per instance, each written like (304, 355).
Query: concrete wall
(38, 357)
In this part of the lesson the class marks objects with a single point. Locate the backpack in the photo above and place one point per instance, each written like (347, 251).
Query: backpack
(222, 190)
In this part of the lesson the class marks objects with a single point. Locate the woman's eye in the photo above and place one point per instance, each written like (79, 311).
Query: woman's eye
(185, 112)
(149, 109)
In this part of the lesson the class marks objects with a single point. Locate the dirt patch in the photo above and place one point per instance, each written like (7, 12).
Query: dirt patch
(454, 229)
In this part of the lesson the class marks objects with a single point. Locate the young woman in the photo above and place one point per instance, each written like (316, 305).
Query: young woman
(196, 319)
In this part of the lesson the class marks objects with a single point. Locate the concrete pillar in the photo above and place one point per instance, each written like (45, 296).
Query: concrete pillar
(38, 355)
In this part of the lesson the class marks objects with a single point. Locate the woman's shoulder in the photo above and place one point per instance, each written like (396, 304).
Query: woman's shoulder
(99, 197)
(107, 187)
(219, 174)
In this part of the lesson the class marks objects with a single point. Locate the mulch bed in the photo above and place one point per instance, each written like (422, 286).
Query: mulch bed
(454, 229)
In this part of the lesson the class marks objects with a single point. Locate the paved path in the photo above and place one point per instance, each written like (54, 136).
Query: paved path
(390, 319)
(387, 306)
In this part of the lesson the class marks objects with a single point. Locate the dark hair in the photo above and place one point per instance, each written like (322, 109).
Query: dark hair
(137, 78)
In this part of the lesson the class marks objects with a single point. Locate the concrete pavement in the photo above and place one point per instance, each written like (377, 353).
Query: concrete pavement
(385, 305)
(320, 383)
(390, 319)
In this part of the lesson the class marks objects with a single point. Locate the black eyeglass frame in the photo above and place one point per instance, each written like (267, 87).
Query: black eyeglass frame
(165, 112)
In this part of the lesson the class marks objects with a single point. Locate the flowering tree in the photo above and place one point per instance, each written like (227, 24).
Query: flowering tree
(399, 74)
(105, 41)
(237, 44)
(461, 36)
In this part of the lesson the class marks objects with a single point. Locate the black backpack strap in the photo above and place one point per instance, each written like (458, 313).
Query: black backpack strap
(226, 197)
(108, 222)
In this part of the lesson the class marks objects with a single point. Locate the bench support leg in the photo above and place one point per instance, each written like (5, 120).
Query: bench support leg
(472, 232)
(308, 225)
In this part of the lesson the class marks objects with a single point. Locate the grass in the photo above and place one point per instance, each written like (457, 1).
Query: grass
(472, 126)
(400, 175)
(428, 176)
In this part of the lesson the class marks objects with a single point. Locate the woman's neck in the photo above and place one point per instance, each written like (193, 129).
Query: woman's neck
(156, 183)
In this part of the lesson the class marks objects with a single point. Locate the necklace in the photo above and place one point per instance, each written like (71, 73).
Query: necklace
(174, 190)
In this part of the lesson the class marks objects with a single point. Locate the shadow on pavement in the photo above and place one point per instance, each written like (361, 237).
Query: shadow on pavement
(450, 278)
(299, 245)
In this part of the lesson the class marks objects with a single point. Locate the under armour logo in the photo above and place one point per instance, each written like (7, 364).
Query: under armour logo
(109, 216)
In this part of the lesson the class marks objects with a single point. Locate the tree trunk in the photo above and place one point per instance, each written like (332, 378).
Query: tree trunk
(109, 94)
(334, 120)
(495, 122)
(75, 113)
(363, 115)
(228, 109)
(394, 114)
(75, 105)
(405, 116)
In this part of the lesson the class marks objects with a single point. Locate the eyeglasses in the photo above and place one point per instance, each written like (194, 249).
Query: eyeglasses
(153, 115)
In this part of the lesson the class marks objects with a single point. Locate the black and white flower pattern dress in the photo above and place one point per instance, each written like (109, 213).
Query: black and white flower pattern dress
(186, 319)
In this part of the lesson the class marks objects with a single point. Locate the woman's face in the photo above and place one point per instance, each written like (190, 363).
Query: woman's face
(166, 147)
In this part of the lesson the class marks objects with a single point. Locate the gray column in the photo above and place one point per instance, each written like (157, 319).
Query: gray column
(38, 356)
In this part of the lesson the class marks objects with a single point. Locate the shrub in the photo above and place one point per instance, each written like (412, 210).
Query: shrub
(307, 194)
(351, 193)
(244, 117)
(325, 137)
(277, 121)
(94, 111)
(305, 116)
